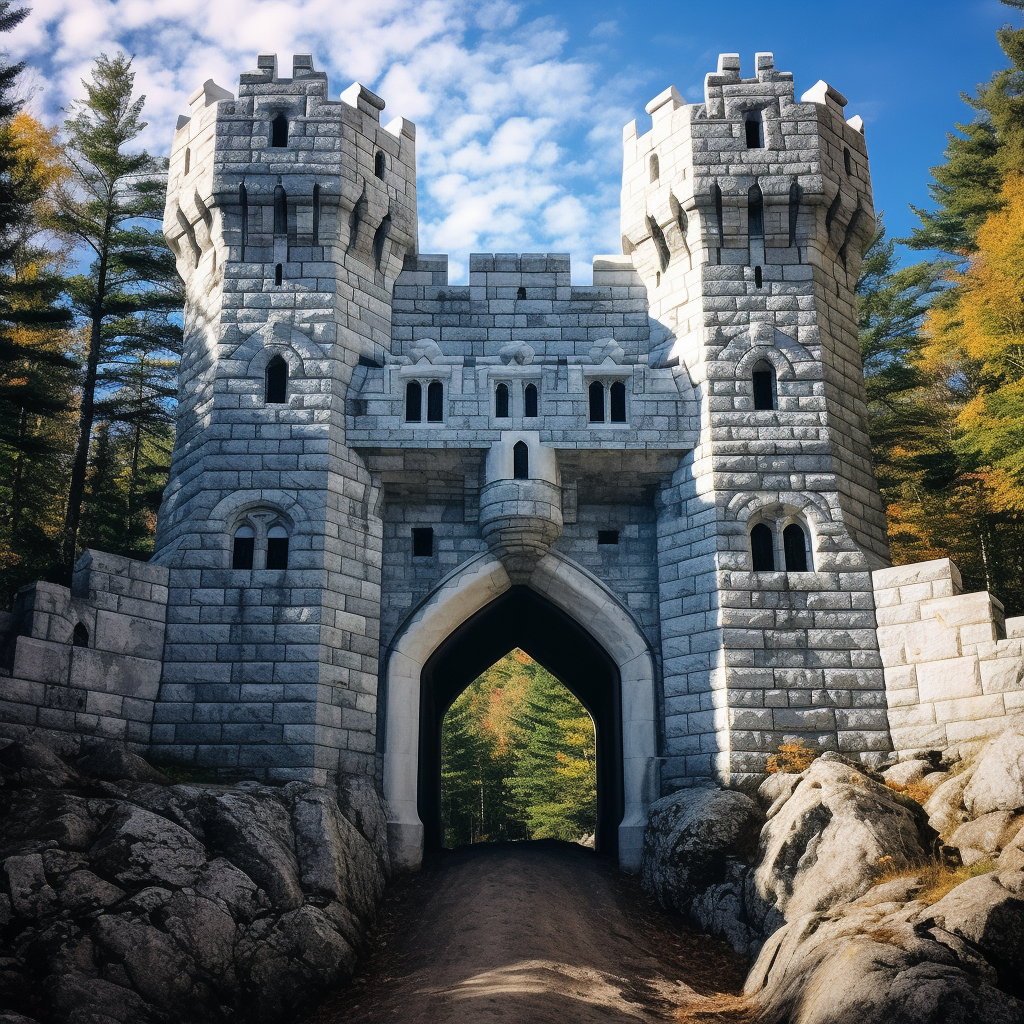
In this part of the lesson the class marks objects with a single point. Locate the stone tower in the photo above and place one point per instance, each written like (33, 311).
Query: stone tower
(746, 217)
(290, 216)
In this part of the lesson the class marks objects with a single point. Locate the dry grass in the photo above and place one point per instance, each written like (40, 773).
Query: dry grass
(792, 758)
(937, 877)
(722, 1008)
(916, 791)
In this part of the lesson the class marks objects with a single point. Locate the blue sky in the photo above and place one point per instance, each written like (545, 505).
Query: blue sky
(520, 106)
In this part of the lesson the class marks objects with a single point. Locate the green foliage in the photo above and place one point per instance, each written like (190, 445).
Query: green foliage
(517, 758)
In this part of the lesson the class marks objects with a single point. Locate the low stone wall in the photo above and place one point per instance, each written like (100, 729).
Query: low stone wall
(954, 667)
(86, 662)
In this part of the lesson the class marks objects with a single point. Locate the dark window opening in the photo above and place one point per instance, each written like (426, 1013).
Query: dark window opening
(762, 548)
(847, 163)
(657, 279)
(279, 131)
(188, 159)
(655, 167)
(597, 402)
(530, 401)
(380, 236)
(617, 401)
(755, 212)
(607, 536)
(379, 164)
(276, 390)
(413, 402)
(752, 126)
(521, 293)
(277, 548)
(278, 274)
(795, 546)
(243, 202)
(520, 461)
(422, 541)
(763, 379)
(244, 547)
(758, 277)
(794, 210)
(280, 210)
(80, 636)
(316, 214)
(435, 402)
(501, 402)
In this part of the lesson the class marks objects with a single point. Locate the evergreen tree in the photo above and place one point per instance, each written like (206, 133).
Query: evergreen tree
(126, 301)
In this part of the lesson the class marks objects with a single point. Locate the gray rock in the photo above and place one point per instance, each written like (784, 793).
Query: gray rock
(202, 930)
(229, 886)
(906, 772)
(138, 846)
(115, 762)
(30, 763)
(362, 805)
(31, 895)
(998, 780)
(828, 841)
(945, 807)
(696, 849)
(83, 892)
(985, 836)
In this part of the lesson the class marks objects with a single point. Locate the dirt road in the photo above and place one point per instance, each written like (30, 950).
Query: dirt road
(543, 932)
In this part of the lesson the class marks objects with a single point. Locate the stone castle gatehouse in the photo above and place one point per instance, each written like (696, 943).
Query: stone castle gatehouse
(658, 485)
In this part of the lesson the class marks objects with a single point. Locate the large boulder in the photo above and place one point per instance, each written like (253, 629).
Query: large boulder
(997, 783)
(697, 848)
(138, 846)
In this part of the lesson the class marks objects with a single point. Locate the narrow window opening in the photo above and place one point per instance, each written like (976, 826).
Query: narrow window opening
(435, 402)
(244, 546)
(758, 277)
(279, 131)
(280, 210)
(657, 279)
(521, 293)
(80, 636)
(278, 274)
(762, 548)
(755, 212)
(316, 214)
(243, 202)
(188, 159)
(795, 546)
(422, 541)
(213, 259)
(655, 167)
(607, 536)
(596, 402)
(276, 390)
(719, 218)
(413, 402)
(617, 401)
(752, 126)
(379, 164)
(794, 210)
(530, 401)
(521, 461)
(501, 402)
(763, 379)
(277, 548)
(847, 163)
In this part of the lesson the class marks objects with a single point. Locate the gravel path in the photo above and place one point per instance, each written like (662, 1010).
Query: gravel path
(542, 932)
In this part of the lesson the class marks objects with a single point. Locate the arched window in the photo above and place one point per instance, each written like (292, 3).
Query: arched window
(379, 164)
(80, 636)
(501, 402)
(279, 131)
(243, 202)
(280, 210)
(763, 380)
(520, 461)
(244, 547)
(413, 402)
(278, 274)
(794, 544)
(596, 394)
(276, 389)
(847, 163)
(655, 167)
(755, 211)
(530, 401)
(316, 214)
(277, 548)
(752, 127)
(188, 159)
(435, 402)
(762, 548)
(617, 402)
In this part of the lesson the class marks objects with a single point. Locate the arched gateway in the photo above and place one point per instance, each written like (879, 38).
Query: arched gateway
(474, 617)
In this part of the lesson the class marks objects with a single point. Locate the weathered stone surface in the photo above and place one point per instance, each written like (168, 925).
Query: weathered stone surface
(985, 836)
(945, 807)
(907, 771)
(115, 761)
(998, 780)
(139, 846)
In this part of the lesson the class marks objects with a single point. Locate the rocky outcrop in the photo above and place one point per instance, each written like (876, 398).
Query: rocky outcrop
(124, 898)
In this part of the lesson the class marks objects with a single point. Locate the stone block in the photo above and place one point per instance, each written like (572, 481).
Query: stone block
(969, 709)
(962, 610)
(930, 641)
(41, 661)
(949, 679)
(1001, 674)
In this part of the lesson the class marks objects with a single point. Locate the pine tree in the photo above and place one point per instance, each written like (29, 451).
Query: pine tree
(125, 302)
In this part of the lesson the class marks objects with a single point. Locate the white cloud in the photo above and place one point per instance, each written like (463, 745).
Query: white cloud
(518, 139)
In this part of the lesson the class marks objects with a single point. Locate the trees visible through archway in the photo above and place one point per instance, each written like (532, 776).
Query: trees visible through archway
(518, 758)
